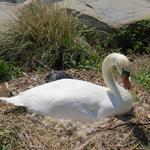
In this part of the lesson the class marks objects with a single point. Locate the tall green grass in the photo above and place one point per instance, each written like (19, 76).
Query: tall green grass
(46, 33)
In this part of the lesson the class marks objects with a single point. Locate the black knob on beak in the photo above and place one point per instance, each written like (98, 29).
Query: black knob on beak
(125, 73)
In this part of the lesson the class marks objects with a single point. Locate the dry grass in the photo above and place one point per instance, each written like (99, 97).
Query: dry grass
(22, 130)
(42, 32)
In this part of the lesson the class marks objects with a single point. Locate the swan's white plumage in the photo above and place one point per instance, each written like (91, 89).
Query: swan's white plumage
(74, 99)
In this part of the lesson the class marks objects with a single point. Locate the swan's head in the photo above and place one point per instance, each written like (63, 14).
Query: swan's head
(123, 66)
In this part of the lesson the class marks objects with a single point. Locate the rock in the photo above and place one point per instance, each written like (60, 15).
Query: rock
(114, 13)
(7, 12)
(104, 15)
(11, 1)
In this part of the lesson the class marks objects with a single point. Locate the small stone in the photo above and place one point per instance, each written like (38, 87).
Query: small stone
(148, 116)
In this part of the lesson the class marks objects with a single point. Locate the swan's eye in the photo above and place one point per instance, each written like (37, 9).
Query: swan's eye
(125, 73)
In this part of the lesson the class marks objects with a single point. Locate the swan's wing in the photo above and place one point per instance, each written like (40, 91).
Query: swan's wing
(67, 98)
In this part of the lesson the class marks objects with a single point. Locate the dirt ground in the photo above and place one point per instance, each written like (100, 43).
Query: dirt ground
(20, 129)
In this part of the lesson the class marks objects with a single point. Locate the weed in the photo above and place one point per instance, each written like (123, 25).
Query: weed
(143, 78)
(130, 39)
(8, 71)
(7, 139)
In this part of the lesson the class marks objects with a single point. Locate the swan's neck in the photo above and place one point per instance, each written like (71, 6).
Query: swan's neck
(107, 65)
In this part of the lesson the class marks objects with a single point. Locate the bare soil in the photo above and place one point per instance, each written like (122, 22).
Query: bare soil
(20, 129)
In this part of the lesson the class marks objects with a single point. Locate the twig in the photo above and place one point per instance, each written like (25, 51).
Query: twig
(9, 90)
(86, 143)
(77, 74)
(134, 147)
(125, 145)
(129, 123)
(7, 86)
(119, 125)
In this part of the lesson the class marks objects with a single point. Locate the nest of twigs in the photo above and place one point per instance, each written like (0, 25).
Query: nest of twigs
(20, 129)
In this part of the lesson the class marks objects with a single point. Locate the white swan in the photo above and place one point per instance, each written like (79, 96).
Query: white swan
(81, 100)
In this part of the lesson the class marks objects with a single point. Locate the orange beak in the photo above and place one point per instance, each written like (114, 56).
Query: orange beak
(126, 82)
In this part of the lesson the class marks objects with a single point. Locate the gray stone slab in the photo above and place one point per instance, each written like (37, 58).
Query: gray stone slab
(99, 13)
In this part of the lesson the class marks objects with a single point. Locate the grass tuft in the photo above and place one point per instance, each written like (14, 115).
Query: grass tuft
(43, 32)
(143, 78)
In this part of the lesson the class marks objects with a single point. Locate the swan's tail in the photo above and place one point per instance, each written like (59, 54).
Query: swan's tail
(12, 100)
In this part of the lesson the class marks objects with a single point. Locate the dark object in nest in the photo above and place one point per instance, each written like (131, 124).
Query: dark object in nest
(57, 75)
